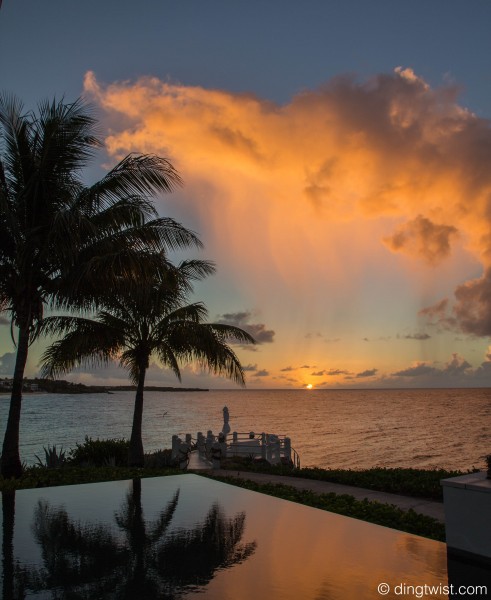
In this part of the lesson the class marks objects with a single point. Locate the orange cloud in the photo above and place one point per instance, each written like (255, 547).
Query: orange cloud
(308, 195)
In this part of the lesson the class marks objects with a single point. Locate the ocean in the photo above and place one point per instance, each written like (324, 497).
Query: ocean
(350, 429)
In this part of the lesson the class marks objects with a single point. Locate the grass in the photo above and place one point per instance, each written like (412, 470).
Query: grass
(420, 483)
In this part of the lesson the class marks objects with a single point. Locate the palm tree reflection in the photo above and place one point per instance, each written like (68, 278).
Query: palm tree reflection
(10, 589)
(82, 561)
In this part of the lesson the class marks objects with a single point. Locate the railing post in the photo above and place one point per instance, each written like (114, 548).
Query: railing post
(175, 446)
(269, 449)
(277, 451)
(235, 437)
(263, 446)
(222, 441)
(201, 443)
(210, 440)
(288, 449)
(273, 453)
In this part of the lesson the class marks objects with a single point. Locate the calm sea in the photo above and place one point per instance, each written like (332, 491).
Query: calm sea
(347, 429)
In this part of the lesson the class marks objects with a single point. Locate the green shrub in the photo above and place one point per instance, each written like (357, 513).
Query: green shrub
(387, 515)
(54, 459)
(159, 459)
(423, 483)
(100, 453)
(35, 477)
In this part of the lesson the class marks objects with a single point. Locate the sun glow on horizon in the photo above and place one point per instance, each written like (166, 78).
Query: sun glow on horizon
(309, 386)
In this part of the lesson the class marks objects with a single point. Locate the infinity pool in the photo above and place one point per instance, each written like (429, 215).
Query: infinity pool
(186, 536)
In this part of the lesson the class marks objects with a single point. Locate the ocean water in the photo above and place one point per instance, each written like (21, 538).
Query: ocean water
(449, 428)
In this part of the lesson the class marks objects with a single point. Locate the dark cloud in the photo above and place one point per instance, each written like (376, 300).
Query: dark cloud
(236, 318)
(237, 141)
(437, 311)
(243, 320)
(367, 373)
(417, 336)
(262, 373)
(315, 334)
(471, 311)
(423, 238)
(286, 369)
(250, 367)
(417, 370)
(456, 366)
(330, 372)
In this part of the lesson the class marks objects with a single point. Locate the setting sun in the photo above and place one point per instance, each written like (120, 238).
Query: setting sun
(309, 386)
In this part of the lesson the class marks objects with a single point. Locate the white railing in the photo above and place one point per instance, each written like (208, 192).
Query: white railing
(275, 449)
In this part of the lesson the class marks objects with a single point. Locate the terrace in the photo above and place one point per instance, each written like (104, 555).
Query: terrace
(184, 535)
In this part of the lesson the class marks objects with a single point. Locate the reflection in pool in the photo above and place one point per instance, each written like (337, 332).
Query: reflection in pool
(185, 536)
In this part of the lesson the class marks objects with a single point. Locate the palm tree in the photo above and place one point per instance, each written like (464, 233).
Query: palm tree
(62, 242)
(137, 323)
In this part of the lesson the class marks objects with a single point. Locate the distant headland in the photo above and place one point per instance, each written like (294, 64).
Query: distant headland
(60, 386)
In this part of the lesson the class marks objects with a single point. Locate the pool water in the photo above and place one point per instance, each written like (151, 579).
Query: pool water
(186, 536)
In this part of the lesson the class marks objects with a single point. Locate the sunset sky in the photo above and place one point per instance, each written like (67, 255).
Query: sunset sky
(337, 166)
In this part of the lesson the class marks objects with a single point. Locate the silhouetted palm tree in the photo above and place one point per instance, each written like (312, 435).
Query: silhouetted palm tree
(138, 323)
(61, 242)
(150, 562)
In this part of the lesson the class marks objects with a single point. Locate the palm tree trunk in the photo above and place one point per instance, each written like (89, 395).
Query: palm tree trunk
(136, 457)
(10, 462)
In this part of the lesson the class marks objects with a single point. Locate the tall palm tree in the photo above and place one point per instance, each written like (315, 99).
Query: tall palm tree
(144, 321)
(61, 242)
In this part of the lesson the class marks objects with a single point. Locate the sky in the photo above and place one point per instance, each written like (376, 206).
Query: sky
(335, 156)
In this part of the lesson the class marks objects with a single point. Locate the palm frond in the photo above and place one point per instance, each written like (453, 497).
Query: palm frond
(203, 344)
(87, 343)
(230, 333)
(167, 357)
(135, 175)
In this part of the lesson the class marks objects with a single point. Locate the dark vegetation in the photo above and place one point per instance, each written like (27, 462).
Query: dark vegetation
(107, 460)
(37, 477)
(61, 386)
(373, 512)
(410, 482)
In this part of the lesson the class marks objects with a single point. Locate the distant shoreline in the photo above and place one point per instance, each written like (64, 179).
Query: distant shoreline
(66, 387)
